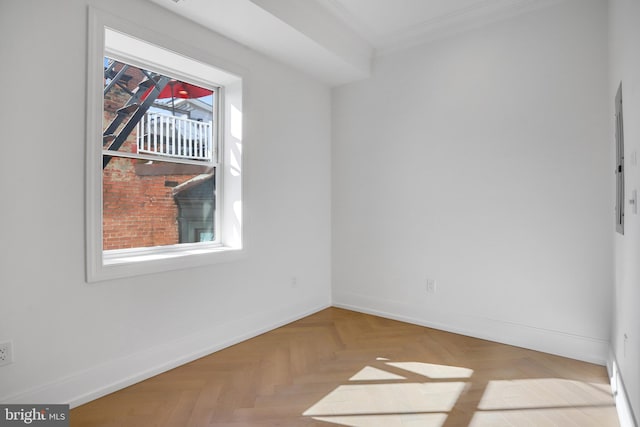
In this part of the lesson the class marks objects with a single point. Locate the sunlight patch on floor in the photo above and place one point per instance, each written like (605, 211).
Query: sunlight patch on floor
(405, 398)
(390, 420)
(544, 401)
(537, 417)
(400, 403)
(543, 393)
(369, 373)
(425, 395)
(432, 371)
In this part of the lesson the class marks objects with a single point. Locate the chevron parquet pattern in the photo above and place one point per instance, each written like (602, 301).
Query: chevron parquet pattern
(341, 368)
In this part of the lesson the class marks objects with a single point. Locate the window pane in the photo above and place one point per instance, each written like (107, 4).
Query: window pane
(162, 197)
(156, 115)
(156, 203)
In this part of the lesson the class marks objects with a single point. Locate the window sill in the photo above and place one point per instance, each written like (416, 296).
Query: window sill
(123, 263)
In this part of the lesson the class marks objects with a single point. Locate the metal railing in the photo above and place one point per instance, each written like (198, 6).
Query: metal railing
(172, 136)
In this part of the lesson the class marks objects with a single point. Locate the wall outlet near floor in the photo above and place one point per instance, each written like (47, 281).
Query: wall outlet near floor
(431, 286)
(6, 355)
(294, 282)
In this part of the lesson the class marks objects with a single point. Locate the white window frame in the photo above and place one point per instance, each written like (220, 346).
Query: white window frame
(142, 47)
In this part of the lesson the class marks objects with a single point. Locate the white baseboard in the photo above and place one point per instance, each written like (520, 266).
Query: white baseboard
(83, 387)
(560, 343)
(625, 413)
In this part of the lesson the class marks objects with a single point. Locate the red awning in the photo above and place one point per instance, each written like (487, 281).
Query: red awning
(178, 89)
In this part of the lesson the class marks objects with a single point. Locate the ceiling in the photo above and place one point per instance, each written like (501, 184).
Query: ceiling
(336, 40)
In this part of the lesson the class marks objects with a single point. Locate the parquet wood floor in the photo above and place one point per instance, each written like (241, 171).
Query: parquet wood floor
(341, 368)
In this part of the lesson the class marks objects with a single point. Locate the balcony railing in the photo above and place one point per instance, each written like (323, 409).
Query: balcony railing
(172, 136)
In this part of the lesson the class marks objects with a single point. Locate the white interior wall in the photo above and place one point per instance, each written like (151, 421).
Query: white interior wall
(74, 341)
(625, 67)
(482, 161)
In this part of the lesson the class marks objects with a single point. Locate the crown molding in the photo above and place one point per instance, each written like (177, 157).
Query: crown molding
(476, 15)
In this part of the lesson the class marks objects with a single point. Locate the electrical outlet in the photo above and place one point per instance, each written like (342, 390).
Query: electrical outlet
(431, 286)
(5, 353)
(294, 282)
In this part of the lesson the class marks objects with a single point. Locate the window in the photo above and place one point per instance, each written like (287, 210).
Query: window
(163, 155)
(159, 145)
(619, 163)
